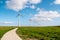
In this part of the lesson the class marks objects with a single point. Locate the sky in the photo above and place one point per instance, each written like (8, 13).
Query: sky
(32, 12)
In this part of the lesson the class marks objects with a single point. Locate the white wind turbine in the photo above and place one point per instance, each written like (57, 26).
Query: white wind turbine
(30, 22)
(18, 15)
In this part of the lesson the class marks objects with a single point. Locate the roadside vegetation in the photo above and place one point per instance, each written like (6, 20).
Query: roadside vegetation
(39, 33)
(4, 29)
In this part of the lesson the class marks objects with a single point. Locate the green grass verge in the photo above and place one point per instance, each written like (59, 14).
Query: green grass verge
(39, 33)
(3, 30)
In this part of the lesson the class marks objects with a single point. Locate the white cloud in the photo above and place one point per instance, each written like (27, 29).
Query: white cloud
(33, 7)
(20, 4)
(45, 16)
(16, 4)
(6, 22)
(35, 1)
(57, 1)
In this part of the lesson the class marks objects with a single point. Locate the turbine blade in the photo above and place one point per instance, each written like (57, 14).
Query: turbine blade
(19, 15)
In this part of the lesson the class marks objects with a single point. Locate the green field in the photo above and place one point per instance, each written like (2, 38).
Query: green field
(35, 33)
(39, 33)
(3, 30)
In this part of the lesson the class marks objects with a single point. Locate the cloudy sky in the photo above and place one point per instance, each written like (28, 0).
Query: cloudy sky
(32, 12)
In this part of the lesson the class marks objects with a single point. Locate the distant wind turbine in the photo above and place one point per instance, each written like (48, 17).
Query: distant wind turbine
(30, 22)
(18, 15)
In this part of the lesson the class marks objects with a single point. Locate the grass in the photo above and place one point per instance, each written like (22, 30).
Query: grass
(35, 33)
(39, 33)
(3, 30)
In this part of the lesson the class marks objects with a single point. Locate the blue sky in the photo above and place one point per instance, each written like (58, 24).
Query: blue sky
(34, 12)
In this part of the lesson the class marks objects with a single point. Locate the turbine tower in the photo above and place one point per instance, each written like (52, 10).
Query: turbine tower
(19, 19)
(30, 22)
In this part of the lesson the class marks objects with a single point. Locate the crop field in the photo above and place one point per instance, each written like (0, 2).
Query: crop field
(39, 33)
(3, 30)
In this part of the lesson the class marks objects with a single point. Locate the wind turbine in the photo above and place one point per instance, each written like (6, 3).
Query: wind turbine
(18, 15)
(30, 22)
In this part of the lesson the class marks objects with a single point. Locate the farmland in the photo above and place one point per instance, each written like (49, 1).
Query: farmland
(39, 33)
(4, 29)
(35, 33)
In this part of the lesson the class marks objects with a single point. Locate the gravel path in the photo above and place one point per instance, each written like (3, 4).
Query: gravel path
(11, 35)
